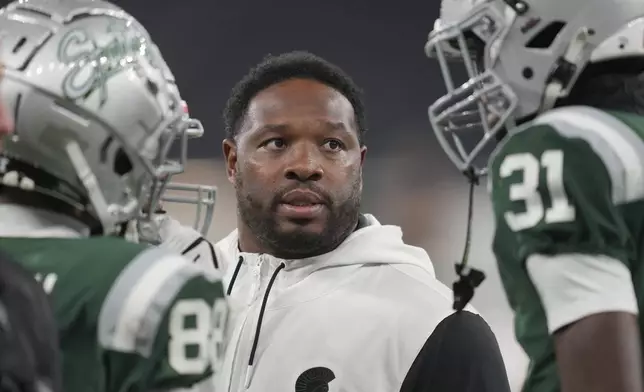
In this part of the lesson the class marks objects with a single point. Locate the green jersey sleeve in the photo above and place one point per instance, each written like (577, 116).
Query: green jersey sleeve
(567, 191)
(558, 186)
(161, 325)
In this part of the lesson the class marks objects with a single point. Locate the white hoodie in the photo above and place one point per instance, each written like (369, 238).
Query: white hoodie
(354, 318)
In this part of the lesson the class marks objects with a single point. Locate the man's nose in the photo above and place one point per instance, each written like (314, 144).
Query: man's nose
(304, 163)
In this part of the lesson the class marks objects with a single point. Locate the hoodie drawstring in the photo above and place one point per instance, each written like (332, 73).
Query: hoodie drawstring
(251, 359)
(235, 273)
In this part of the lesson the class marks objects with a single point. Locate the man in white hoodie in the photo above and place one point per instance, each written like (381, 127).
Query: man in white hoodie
(322, 297)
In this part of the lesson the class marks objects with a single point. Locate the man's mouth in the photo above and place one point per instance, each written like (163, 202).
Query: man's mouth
(304, 212)
(301, 204)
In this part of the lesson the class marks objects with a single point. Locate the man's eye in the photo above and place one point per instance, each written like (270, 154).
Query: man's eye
(274, 144)
(333, 145)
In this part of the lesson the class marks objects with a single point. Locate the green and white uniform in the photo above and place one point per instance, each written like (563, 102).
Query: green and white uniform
(568, 197)
(130, 317)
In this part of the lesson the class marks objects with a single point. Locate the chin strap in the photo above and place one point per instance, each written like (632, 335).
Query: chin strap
(567, 69)
(468, 278)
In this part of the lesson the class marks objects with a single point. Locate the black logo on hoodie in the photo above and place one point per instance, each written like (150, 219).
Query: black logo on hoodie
(316, 379)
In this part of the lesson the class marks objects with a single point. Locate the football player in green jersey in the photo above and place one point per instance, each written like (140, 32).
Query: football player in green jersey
(96, 111)
(560, 83)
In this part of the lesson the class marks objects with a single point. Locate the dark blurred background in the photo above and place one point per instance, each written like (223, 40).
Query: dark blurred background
(211, 44)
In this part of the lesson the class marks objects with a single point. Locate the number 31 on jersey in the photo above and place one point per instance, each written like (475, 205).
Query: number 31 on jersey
(527, 191)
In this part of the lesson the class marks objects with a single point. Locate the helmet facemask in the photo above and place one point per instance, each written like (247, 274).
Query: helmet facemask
(161, 168)
(201, 196)
(468, 117)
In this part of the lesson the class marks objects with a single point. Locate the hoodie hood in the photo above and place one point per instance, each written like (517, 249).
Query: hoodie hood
(373, 243)
(249, 277)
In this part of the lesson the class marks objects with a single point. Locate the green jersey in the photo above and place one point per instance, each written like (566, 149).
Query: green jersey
(130, 317)
(569, 184)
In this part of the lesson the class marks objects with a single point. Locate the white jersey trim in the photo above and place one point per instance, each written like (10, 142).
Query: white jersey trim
(574, 286)
(612, 140)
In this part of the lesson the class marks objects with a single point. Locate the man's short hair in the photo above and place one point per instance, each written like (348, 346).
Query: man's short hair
(610, 85)
(292, 65)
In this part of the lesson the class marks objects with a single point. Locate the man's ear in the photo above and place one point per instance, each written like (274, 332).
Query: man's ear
(230, 155)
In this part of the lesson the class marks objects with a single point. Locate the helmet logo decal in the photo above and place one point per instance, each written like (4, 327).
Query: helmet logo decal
(92, 63)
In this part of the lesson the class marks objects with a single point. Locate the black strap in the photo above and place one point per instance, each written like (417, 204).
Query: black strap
(196, 243)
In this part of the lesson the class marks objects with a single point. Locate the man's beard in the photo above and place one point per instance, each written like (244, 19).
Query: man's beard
(298, 244)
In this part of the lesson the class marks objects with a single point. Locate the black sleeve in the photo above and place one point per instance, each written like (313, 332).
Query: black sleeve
(461, 355)
(29, 354)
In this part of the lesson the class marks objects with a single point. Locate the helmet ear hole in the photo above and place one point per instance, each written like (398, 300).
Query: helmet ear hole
(544, 38)
(122, 163)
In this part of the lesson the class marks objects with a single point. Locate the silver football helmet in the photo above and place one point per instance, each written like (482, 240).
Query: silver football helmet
(519, 57)
(96, 110)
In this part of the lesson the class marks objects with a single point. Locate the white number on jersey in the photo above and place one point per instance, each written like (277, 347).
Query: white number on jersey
(527, 190)
(48, 281)
(194, 339)
(220, 318)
